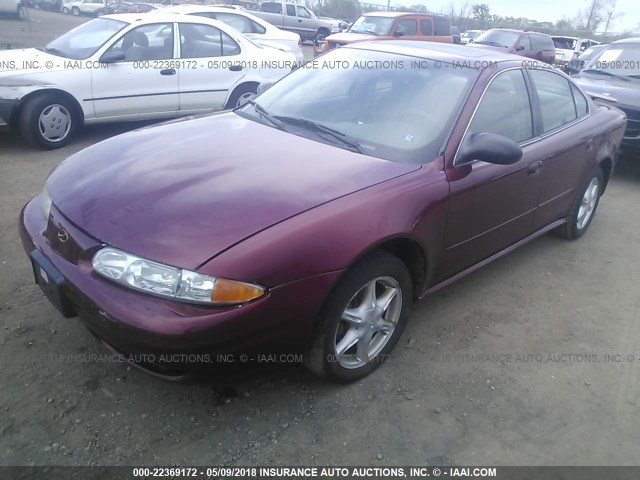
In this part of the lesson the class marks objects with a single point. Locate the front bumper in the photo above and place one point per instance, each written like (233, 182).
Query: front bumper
(135, 323)
(7, 109)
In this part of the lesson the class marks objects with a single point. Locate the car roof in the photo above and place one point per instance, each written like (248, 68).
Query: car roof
(627, 40)
(161, 17)
(399, 14)
(445, 52)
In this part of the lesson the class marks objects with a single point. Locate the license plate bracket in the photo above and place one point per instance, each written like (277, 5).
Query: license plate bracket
(52, 283)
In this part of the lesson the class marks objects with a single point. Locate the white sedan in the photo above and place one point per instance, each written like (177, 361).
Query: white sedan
(78, 7)
(255, 28)
(131, 67)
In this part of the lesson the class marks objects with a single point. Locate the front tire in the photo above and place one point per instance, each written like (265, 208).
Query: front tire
(362, 319)
(75, 11)
(48, 121)
(585, 207)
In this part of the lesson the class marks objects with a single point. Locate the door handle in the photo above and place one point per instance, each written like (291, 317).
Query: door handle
(534, 168)
(589, 144)
(235, 68)
(168, 71)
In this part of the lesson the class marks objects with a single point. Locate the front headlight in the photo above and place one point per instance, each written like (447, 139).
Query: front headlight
(176, 283)
(46, 204)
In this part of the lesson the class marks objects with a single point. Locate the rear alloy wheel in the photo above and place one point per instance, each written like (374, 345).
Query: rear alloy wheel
(75, 11)
(584, 209)
(48, 121)
(241, 95)
(362, 319)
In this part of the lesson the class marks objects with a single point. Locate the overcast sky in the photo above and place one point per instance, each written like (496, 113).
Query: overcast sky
(541, 10)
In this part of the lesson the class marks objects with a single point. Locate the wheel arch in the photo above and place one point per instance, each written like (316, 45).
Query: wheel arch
(242, 84)
(606, 164)
(55, 91)
(409, 251)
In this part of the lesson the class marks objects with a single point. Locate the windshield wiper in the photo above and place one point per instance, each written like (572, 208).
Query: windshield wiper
(53, 51)
(317, 127)
(604, 72)
(486, 42)
(264, 114)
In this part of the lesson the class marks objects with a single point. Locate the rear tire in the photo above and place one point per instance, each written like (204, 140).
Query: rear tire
(361, 320)
(75, 11)
(584, 208)
(240, 96)
(48, 121)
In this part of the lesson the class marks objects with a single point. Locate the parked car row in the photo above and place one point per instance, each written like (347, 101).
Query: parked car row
(293, 223)
(131, 67)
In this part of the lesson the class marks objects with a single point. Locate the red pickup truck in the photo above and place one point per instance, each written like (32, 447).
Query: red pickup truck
(389, 25)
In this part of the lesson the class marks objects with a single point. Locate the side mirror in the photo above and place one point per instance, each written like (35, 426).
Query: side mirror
(112, 57)
(520, 47)
(490, 148)
(263, 86)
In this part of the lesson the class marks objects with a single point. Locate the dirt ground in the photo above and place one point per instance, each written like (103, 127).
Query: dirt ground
(533, 360)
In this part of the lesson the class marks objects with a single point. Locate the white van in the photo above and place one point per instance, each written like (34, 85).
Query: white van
(15, 8)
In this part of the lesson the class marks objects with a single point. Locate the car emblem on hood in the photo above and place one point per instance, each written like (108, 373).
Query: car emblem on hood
(63, 236)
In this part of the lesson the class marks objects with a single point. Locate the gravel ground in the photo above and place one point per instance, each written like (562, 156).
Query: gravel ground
(535, 386)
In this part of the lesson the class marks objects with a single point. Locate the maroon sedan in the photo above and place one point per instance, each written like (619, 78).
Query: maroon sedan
(311, 218)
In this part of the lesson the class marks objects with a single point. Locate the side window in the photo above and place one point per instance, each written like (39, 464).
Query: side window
(505, 108)
(407, 28)
(426, 26)
(202, 41)
(148, 42)
(291, 10)
(303, 12)
(556, 100)
(525, 41)
(241, 23)
(582, 107)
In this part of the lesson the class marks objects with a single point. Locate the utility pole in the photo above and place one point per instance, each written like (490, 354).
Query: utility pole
(388, 4)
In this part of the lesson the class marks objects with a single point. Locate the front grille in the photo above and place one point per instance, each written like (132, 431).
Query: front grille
(633, 123)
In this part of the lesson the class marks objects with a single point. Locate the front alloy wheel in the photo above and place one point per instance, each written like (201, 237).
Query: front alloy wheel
(362, 319)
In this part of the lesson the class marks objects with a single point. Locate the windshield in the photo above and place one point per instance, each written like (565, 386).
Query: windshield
(471, 34)
(619, 59)
(372, 25)
(564, 43)
(380, 104)
(498, 38)
(590, 52)
(85, 40)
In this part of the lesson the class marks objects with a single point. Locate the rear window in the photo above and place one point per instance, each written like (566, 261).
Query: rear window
(541, 42)
(271, 7)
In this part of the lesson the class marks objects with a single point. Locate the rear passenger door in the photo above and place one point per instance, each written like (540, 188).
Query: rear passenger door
(213, 63)
(492, 206)
(565, 146)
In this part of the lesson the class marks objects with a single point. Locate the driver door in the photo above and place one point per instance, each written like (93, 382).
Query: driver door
(138, 86)
(492, 206)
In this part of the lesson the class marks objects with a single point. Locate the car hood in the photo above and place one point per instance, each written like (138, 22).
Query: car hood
(620, 92)
(182, 192)
(28, 60)
(348, 37)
